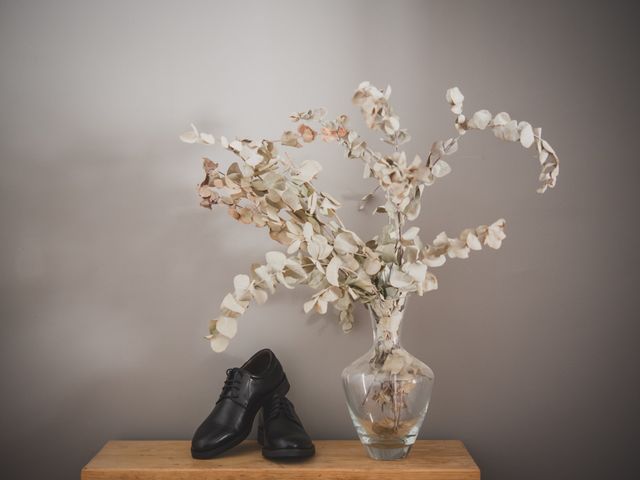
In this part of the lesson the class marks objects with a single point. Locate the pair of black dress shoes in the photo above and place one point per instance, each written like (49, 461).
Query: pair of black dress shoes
(259, 386)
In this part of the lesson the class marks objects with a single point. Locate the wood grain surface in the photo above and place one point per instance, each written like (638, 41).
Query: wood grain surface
(335, 459)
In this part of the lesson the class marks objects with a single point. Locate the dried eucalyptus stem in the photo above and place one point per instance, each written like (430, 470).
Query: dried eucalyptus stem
(269, 190)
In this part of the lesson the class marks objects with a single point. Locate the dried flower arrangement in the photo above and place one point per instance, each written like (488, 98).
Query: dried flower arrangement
(269, 190)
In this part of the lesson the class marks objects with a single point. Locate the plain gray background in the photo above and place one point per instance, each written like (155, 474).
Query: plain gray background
(110, 270)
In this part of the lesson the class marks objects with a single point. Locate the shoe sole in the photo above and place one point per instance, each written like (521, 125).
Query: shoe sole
(288, 453)
(282, 389)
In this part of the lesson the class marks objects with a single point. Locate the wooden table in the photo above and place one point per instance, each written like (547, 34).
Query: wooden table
(334, 459)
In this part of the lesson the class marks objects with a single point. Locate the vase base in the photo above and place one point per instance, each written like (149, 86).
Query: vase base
(387, 452)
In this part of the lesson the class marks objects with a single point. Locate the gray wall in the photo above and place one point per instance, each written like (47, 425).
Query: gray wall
(110, 270)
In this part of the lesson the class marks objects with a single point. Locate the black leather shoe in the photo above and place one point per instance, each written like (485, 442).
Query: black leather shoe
(245, 391)
(280, 431)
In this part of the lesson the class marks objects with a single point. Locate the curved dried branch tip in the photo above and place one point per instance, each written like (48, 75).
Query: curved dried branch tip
(269, 190)
(505, 128)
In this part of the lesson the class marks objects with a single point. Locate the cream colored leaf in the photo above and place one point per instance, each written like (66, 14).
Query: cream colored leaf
(411, 233)
(480, 120)
(207, 139)
(372, 266)
(290, 139)
(473, 242)
(345, 243)
(307, 231)
(440, 169)
(308, 170)
(190, 137)
(294, 247)
(416, 271)
(318, 247)
(218, 342)
(399, 279)
(230, 303)
(508, 131)
(260, 296)
(435, 261)
(332, 270)
(455, 98)
(262, 272)
(276, 260)
(309, 305)
(227, 326)
(526, 134)
(430, 282)
(330, 294)
(501, 118)
(241, 283)
(254, 158)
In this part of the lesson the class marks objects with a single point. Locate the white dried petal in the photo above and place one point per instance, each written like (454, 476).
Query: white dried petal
(372, 265)
(290, 139)
(254, 158)
(508, 131)
(262, 272)
(230, 303)
(400, 279)
(190, 137)
(294, 247)
(207, 139)
(276, 260)
(241, 283)
(228, 326)
(455, 98)
(435, 261)
(391, 125)
(417, 271)
(321, 306)
(411, 233)
(307, 231)
(413, 209)
(218, 342)
(332, 270)
(548, 148)
(309, 305)
(457, 249)
(440, 169)
(345, 243)
(479, 120)
(319, 247)
(526, 134)
(473, 242)
(260, 296)
(501, 119)
(430, 282)
(308, 170)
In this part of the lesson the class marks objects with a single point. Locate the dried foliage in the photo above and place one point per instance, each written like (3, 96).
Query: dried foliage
(266, 188)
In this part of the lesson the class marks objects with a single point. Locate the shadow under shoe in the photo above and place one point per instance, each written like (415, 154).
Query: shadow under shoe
(245, 391)
(280, 431)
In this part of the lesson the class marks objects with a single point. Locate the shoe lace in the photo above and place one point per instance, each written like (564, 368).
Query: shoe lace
(280, 405)
(231, 386)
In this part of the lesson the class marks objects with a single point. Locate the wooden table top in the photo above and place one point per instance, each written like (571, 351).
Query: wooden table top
(334, 459)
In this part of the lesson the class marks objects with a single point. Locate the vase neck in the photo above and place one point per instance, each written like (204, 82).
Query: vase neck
(386, 323)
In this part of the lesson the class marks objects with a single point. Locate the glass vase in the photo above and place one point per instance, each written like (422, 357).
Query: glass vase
(387, 389)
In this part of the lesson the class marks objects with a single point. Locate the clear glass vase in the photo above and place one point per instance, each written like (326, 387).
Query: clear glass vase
(387, 389)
